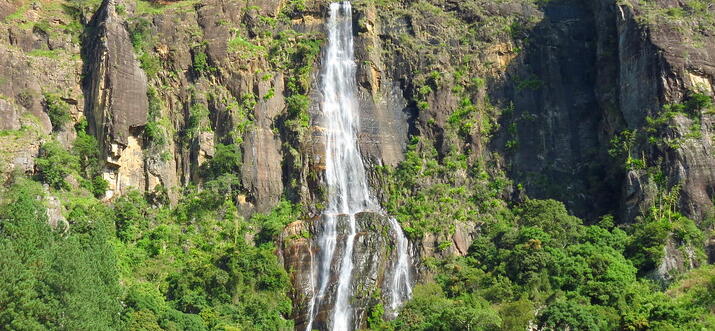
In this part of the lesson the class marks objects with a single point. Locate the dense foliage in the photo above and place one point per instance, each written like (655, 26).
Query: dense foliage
(532, 263)
(539, 265)
(131, 265)
(62, 278)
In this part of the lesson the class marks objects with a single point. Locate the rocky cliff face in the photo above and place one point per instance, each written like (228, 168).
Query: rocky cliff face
(548, 98)
(540, 90)
(666, 65)
(34, 63)
(117, 103)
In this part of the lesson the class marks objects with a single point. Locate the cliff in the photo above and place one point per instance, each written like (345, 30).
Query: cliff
(604, 105)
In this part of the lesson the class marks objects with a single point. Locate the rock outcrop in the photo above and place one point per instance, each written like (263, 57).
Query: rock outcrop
(116, 98)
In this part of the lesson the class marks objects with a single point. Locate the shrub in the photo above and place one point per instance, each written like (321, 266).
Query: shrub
(298, 109)
(99, 186)
(87, 151)
(58, 110)
(153, 130)
(697, 102)
(130, 216)
(54, 164)
(226, 159)
(200, 64)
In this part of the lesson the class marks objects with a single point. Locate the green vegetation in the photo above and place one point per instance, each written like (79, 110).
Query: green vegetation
(153, 131)
(626, 145)
(142, 263)
(63, 278)
(131, 265)
(297, 105)
(141, 36)
(412, 187)
(200, 62)
(192, 264)
(533, 262)
(58, 110)
(583, 278)
(54, 164)
(87, 151)
(245, 49)
(690, 17)
(152, 7)
(52, 54)
(198, 120)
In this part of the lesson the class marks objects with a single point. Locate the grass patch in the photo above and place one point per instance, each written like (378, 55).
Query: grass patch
(52, 54)
(151, 8)
(245, 49)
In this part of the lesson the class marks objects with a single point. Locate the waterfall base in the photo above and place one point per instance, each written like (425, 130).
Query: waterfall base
(374, 255)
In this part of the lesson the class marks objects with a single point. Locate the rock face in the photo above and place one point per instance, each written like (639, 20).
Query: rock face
(116, 92)
(32, 63)
(7, 7)
(373, 253)
(9, 116)
(116, 103)
(658, 66)
(384, 110)
(589, 71)
(262, 172)
(678, 258)
(557, 116)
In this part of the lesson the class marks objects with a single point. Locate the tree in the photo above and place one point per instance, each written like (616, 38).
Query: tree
(54, 164)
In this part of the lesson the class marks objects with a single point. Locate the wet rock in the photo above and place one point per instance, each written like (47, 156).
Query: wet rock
(374, 253)
(384, 111)
(298, 255)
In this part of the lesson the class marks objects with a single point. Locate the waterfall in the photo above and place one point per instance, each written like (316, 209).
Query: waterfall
(348, 190)
(401, 282)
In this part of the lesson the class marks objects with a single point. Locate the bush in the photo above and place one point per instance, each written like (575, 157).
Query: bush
(130, 216)
(201, 64)
(572, 314)
(273, 223)
(58, 110)
(430, 309)
(87, 151)
(54, 164)
(99, 186)
(697, 102)
(298, 109)
(226, 160)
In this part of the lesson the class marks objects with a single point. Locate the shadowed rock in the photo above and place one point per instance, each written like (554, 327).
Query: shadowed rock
(116, 85)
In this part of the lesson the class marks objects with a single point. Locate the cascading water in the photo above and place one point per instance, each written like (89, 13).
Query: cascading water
(348, 191)
(401, 284)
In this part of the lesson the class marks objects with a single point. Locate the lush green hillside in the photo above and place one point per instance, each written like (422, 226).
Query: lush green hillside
(162, 163)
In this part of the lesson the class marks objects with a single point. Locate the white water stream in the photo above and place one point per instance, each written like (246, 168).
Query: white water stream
(348, 191)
